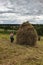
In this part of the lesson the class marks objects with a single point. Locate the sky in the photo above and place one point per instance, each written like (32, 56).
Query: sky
(19, 11)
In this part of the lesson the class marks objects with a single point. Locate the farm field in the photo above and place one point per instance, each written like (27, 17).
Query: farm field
(14, 54)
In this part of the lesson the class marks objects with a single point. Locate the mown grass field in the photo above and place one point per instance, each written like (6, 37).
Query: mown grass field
(14, 54)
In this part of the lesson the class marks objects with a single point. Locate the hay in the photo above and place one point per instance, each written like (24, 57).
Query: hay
(26, 34)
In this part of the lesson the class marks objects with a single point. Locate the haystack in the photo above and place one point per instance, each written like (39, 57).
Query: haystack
(26, 34)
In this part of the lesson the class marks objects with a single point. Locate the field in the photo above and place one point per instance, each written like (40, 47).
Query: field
(14, 54)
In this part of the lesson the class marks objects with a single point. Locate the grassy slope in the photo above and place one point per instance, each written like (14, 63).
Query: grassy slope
(14, 54)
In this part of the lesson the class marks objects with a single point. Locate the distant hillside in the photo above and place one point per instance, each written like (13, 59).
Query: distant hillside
(15, 27)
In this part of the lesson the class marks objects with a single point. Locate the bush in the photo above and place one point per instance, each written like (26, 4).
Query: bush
(26, 34)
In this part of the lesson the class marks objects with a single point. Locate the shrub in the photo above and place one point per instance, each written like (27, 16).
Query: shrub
(26, 34)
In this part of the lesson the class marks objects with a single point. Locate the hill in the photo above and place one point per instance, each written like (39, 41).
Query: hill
(14, 54)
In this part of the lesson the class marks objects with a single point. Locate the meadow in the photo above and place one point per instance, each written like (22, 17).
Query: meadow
(15, 54)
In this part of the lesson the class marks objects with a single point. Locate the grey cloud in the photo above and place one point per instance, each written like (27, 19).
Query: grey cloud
(22, 8)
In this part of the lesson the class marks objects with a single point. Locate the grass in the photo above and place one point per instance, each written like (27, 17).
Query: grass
(14, 54)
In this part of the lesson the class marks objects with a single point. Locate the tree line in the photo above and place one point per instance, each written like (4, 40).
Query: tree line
(7, 28)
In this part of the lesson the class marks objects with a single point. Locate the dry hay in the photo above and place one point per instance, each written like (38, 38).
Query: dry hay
(26, 34)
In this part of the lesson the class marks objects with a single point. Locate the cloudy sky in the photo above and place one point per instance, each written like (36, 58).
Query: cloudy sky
(18, 11)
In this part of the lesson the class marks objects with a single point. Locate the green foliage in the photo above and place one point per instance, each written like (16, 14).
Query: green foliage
(39, 29)
(6, 29)
(15, 27)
